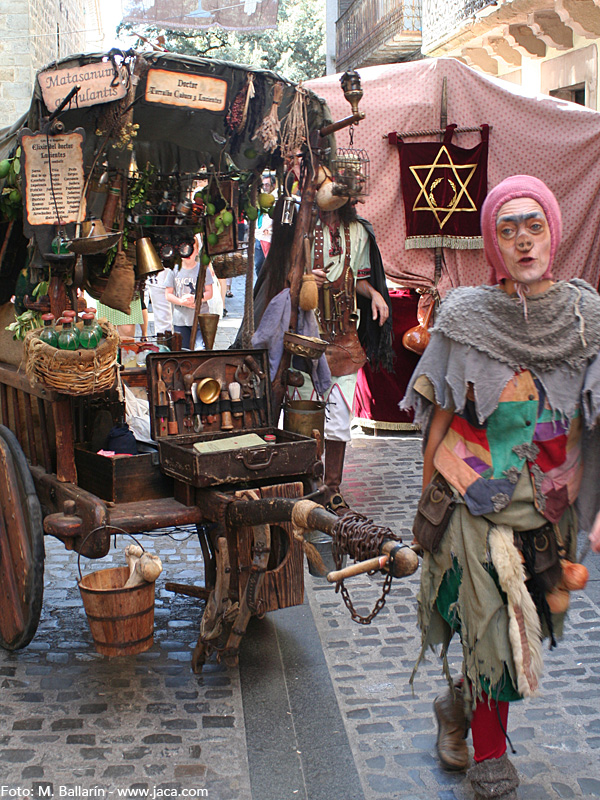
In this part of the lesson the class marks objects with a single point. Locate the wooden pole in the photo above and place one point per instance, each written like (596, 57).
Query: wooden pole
(198, 306)
(303, 226)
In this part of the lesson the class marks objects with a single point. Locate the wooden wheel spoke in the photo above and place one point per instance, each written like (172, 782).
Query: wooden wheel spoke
(21, 547)
(11, 503)
(12, 621)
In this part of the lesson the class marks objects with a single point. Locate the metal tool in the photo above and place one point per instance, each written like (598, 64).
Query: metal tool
(172, 426)
(244, 377)
(257, 385)
(198, 426)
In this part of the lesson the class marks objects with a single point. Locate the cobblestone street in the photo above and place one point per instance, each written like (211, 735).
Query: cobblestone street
(319, 709)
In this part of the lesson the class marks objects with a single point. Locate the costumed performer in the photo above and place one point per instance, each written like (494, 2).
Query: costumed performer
(508, 394)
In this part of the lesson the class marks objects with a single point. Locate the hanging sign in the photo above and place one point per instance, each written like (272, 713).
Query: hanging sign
(98, 82)
(443, 188)
(244, 15)
(183, 89)
(53, 177)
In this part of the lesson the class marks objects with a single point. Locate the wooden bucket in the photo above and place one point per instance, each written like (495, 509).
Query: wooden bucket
(121, 620)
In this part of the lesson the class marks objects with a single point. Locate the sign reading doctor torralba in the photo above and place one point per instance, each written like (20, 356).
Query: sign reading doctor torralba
(185, 89)
(98, 82)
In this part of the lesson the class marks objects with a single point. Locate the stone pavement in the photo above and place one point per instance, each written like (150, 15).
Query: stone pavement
(320, 708)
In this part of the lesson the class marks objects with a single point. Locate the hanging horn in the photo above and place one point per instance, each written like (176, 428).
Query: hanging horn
(208, 326)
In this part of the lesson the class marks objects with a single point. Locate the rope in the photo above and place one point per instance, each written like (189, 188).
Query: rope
(433, 132)
(301, 526)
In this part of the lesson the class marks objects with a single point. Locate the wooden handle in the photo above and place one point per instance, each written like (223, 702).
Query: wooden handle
(226, 421)
(357, 569)
(307, 258)
(172, 423)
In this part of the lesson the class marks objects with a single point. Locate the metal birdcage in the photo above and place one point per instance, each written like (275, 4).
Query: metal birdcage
(350, 168)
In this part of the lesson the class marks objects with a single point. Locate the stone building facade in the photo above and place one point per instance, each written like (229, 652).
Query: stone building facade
(34, 33)
(548, 46)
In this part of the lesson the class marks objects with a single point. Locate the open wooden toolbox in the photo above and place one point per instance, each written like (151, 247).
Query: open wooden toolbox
(255, 571)
(291, 455)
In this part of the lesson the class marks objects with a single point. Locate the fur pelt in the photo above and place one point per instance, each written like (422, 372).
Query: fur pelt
(524, 627)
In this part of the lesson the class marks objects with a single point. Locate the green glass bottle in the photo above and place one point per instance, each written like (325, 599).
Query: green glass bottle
(59, 245)
(95, 324)
(88, 338)
(72, 316)
(48, 333)
(67, 338)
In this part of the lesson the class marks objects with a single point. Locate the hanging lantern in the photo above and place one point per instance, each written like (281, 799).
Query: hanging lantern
(350, 168)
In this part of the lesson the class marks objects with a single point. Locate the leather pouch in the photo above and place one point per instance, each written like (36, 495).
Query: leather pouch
(542, 544)
(433, 514)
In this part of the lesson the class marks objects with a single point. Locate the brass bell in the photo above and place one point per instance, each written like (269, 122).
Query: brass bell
(148, 262)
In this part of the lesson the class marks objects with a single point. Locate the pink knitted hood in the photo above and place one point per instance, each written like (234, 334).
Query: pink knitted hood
(509, 189)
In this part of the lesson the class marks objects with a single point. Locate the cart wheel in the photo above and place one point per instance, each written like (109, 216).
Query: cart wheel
(21, 547)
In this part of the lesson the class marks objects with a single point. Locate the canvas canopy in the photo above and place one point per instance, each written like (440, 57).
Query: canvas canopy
(177, 138)
(175, 133)
(552, 139)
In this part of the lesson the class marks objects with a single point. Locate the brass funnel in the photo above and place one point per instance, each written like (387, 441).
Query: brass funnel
(208, 326)
(148, 262)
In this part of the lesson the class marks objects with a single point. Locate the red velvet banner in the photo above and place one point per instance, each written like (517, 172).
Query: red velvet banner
(443, 188)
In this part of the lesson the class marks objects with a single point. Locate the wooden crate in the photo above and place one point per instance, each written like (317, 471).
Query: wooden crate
(119, 479)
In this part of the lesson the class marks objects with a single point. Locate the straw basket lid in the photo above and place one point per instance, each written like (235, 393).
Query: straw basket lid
(73, 372)
(307, 346)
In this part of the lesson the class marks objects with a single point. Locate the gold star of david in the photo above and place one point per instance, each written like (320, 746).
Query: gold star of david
(427, 193)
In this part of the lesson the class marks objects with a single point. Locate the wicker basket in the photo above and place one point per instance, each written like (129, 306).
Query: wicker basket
(230, 265)
(73, 372)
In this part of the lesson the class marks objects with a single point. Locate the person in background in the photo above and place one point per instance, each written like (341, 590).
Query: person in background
(508, 395)
(144, 325)
(125, 323)
(180, 291)
(264, 229)
(347, 265)
(161, 307)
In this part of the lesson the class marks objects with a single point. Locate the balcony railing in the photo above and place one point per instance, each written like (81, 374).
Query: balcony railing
(370, 31)
(442, 18)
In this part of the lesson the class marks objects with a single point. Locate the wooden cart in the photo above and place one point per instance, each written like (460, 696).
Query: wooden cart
(53, 483)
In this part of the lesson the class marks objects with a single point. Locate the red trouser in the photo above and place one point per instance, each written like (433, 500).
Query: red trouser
(489, 737)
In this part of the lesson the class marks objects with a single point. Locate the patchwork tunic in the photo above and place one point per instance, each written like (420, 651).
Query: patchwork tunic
(514, 457)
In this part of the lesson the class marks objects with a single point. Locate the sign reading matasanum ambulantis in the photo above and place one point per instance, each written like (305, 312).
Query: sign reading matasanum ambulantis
(185, 89)
(98, 82)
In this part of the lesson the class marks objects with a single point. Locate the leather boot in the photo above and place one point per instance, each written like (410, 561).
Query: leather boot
(334, 469)
(494, 779)
(453, 727)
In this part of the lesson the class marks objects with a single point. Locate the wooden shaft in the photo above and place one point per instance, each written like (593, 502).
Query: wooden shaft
(4, 404)
(47, 456)
(30, 431)
(357, 569)
(65, 453)
(303, 226)
(17, 416)
(199, 294)
(242, 514)
(353, 119)
(190, 591)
